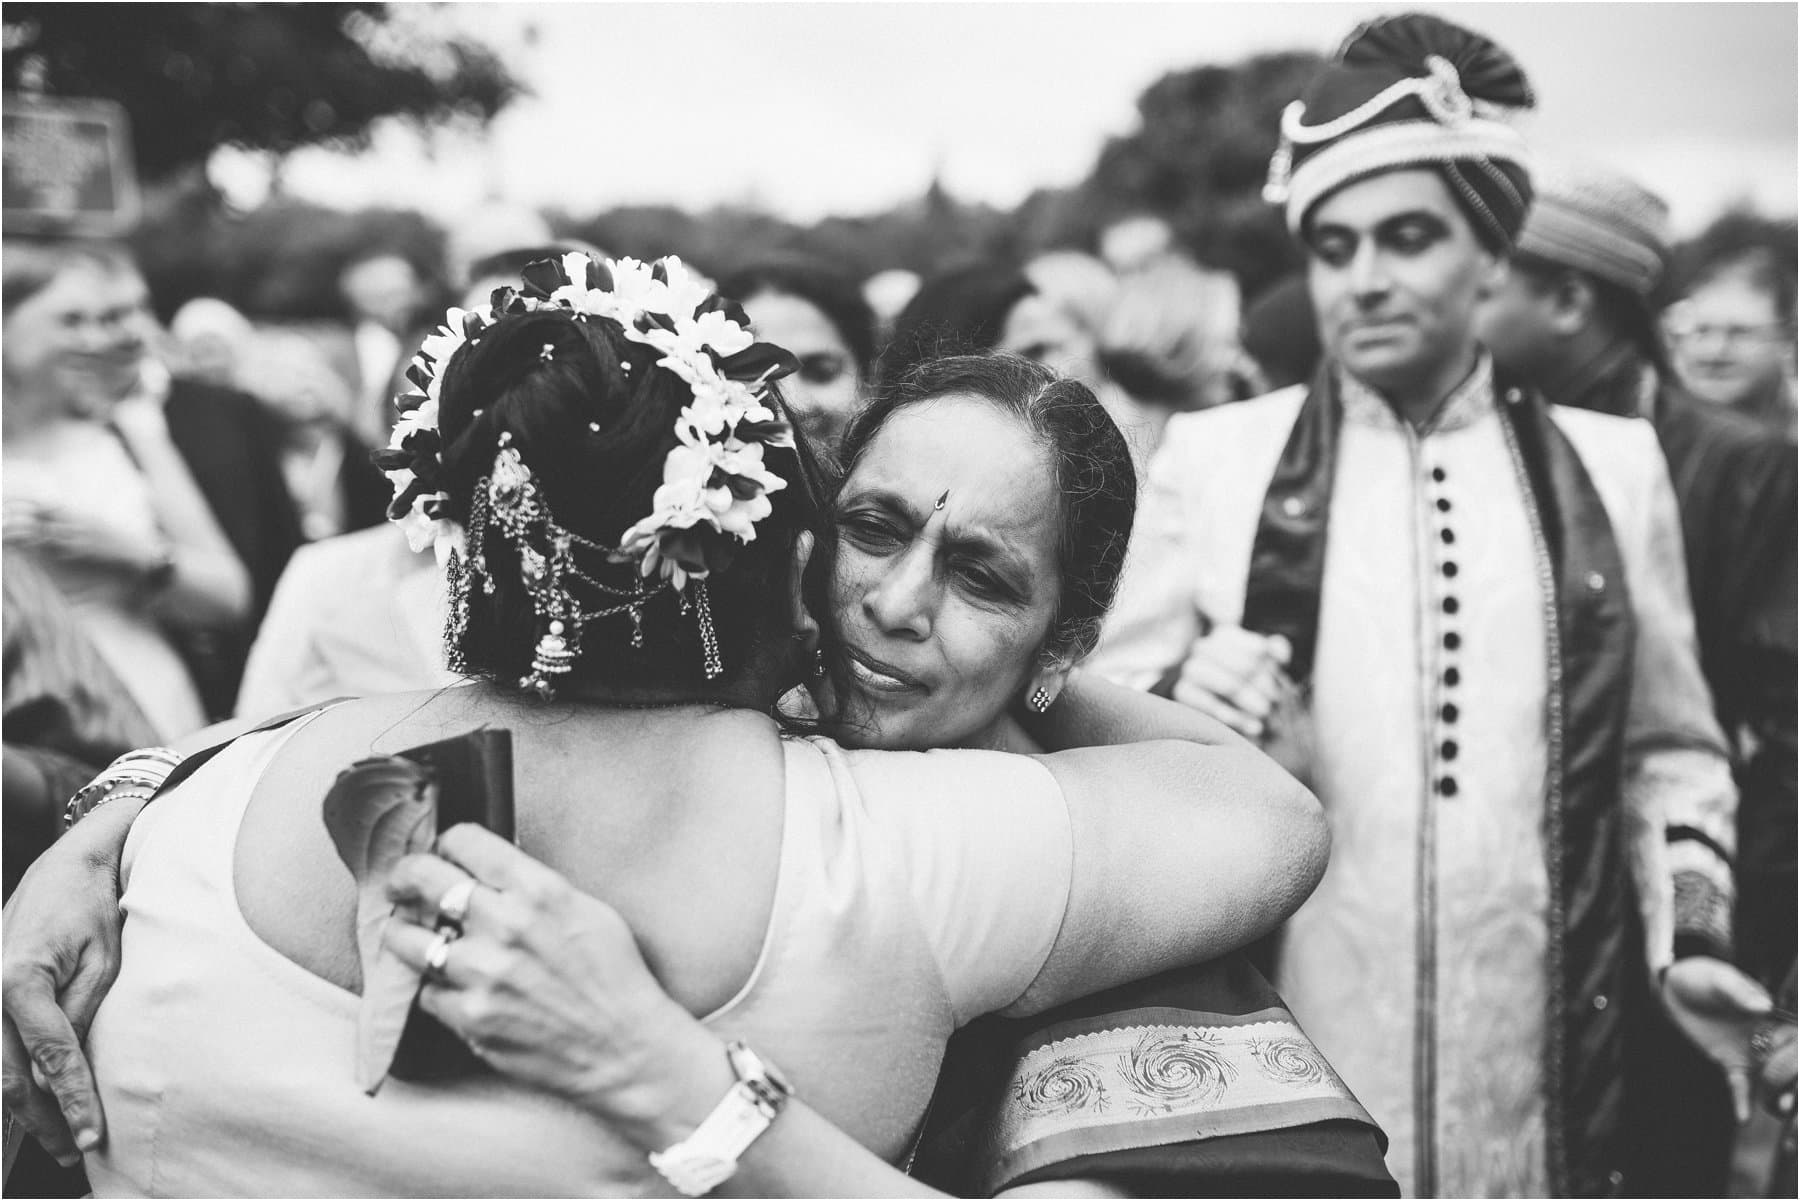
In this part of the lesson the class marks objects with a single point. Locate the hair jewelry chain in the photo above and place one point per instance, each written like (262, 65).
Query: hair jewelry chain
(508, 500)
(715, 487)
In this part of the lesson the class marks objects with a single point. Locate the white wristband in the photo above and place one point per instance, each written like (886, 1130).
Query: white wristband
(705, 1159)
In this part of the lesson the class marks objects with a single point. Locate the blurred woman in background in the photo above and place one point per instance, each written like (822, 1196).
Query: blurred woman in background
(819, 315)
(987, 305)
(94, 489)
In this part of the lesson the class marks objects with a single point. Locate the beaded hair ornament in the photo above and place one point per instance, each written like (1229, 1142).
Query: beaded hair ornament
(715, 487)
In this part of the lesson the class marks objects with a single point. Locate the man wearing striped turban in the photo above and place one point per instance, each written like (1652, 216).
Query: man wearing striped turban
(1575, 318)
(1438, 599)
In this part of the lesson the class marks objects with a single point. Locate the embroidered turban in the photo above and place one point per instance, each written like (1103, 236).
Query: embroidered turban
(1411, 91)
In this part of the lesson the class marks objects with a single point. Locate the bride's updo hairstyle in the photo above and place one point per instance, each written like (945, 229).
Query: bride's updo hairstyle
(612, 480)
(1095, 479)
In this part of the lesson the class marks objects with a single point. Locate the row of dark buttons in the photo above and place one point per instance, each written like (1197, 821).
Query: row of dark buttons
(1447, 711)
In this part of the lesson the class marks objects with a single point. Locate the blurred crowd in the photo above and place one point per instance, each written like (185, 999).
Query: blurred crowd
(193, 529)
(227, 444)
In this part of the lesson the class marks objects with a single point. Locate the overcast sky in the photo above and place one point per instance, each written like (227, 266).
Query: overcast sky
(816, 108)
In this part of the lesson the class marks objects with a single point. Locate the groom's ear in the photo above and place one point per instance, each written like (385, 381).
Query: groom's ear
(805, 625)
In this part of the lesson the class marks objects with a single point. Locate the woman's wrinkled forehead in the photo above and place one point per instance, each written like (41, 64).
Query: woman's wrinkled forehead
(968, 464)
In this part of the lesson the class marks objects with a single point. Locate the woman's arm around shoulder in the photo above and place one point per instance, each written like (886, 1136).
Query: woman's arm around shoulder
(1151, 837)
(60, 956)
(1188, 841)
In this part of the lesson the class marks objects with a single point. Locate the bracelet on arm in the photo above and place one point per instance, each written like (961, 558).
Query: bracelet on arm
(1702, 873)
(707, 1158)
(134, 775)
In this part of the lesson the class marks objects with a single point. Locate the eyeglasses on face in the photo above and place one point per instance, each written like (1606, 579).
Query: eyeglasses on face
(1729, 333)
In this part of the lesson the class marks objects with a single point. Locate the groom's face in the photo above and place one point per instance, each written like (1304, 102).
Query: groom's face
(1397, 276)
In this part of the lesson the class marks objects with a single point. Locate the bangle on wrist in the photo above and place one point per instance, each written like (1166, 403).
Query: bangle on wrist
(709, 1156)
(135, 775)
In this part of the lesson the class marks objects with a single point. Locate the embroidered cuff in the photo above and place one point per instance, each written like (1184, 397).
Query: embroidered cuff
(1703, 895)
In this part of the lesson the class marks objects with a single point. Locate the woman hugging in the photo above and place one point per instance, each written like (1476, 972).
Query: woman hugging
(726, 947)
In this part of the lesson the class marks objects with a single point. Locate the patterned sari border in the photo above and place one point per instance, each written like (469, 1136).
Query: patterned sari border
(1128, 1080)
(1148, 1016)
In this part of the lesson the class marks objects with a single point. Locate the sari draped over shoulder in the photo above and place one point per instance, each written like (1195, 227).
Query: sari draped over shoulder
(1190, 1083)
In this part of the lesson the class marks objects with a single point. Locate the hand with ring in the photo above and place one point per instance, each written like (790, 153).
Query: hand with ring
(1719, 1008)
(453, 906)
(544, 982)
(437, 951)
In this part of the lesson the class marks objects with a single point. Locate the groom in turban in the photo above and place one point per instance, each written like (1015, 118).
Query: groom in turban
(1438, 600)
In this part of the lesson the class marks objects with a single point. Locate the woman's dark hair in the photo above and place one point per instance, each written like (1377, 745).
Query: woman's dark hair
(831, 291)
(1762, 248)
(593, 417)
(1094, 476)
(958, 312)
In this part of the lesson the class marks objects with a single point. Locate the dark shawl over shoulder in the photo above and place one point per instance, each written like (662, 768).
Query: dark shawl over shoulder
(1592, 913)
(1192, 1083)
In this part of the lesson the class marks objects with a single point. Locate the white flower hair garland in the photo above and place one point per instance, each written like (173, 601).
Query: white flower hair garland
(715, 485)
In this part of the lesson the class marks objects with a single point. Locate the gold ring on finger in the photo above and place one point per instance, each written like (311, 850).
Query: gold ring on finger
(453, 906)
(437, 955)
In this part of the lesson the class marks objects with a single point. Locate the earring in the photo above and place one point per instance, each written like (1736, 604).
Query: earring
(818, 666)
(554, 657)
(1040, 700)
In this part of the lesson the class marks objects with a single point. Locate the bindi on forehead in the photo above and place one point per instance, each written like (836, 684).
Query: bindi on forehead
(964, 457)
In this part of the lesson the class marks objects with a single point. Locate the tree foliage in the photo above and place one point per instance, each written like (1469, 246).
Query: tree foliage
(1197, 159)
(280, 262)
(924, 235)
(263, 76)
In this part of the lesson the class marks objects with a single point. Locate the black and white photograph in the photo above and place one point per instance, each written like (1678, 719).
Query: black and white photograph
(791, 598)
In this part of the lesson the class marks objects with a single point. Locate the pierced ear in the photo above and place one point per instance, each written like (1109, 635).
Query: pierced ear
(805, 625)
(1044, 685)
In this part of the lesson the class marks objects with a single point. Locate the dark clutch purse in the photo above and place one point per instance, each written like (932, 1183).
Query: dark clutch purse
(474, 780)
(378, 811)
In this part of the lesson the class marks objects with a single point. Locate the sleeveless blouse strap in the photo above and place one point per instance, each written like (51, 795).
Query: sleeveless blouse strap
(211, 822)
(192, 762)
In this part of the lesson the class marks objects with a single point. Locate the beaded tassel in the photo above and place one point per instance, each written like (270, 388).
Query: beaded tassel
(456, 616)
(477, 536)
(554, 657)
